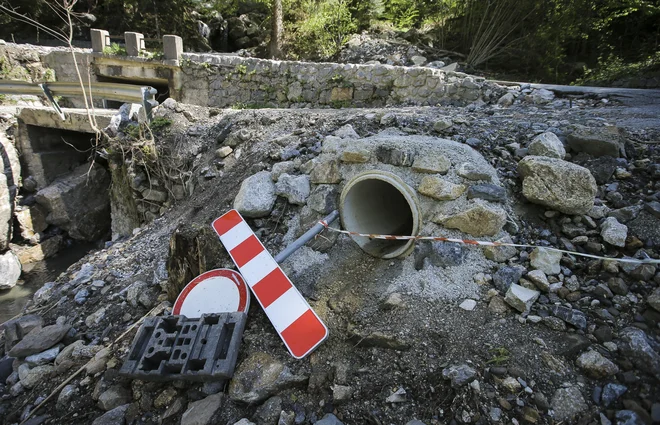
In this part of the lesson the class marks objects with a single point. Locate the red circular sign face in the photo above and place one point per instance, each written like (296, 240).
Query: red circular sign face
(216, 291)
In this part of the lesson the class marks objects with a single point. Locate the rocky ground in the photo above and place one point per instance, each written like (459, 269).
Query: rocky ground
(501, 336)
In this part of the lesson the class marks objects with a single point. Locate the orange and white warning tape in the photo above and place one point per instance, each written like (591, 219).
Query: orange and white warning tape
(486, 243)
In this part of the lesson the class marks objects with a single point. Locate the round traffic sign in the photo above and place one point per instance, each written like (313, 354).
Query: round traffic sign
(216, 291)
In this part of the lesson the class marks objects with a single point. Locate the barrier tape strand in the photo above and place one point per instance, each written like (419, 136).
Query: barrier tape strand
(486, 243)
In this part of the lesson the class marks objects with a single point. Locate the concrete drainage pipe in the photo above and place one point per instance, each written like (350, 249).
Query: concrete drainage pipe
(379, 202)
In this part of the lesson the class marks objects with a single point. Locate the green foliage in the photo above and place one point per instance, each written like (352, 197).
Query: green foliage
(614, 68)
(500, 355)
(115, 49)
(402, 13)
(160, 123)
(326, 29)
(241, 69)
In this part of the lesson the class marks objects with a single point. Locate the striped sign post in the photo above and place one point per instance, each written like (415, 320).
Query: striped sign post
(294, 320)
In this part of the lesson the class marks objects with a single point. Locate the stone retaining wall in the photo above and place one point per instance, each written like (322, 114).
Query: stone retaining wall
(225, 81)
(231, 81)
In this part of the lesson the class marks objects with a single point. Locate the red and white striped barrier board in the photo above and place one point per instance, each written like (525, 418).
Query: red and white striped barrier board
(294, 320)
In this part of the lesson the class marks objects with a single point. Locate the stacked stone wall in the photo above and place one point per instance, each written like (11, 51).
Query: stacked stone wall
(231, 81)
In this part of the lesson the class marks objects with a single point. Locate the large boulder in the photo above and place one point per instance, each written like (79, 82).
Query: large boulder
(557, 184)
(476, 221)
(256, 196)
(547, 144)
(10, 270)
(39, 339)
(10, 171)
(604, 141)
(5, 213)
(79, 202)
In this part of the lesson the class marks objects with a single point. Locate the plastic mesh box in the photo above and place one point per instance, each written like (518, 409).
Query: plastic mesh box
(175, 347)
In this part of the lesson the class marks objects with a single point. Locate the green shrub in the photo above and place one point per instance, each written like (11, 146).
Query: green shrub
(614, 68)
(325, 31)
(115, 49)
(160, 123)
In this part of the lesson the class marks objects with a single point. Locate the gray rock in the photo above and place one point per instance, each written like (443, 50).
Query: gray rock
(245, 421)
(500, 254)
(554, 323)
(539, 279)
(40, 339)
(472, 172)
(134, 291)
(603, 141)
(341, 393)
(570, 316)
(16, 329)
(285, 167)
(33, 377)
(653, 300)
(95, 318)
(595, 365)
(447, 254)
(567, 404)
(261, 376)
(346, 132)
(418, 60)
(295, 188)
(81, 296)
(440, 189)
(488, 192)
(6, 209)
(269, 412)
(542, 96)
(10, 270)
(323, 199)
(628, 417)
(507, 276)
(325, 171)
(355, 155)
(468, 305)
(154, 195)
(477, 221)
(433, 164)
(546, 260)
(397, 156)
(635, 346)
(521, 298)
(653, 207)
(79, 202)
(459, 375)
(44, 357)
(442, 124)
(614, 232)
(506, 100)
(116, 416)
(114, 396)
(66, 396)
(624, 215)
(223, 152)
(557, 184)
(329, 419)
(474, 142)
(611, 393)
(547, 144)
(256, 196)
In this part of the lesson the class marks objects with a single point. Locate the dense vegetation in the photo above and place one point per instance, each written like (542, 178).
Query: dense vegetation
(547, 40)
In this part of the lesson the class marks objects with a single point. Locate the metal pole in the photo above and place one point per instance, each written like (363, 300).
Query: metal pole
(295, 245)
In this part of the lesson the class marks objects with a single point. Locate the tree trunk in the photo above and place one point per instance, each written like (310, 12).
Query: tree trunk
(276, 30)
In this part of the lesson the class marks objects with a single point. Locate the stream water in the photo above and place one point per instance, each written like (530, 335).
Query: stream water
(13, 301)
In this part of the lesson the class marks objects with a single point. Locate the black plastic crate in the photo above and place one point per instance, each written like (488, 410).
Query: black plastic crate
(177, 348)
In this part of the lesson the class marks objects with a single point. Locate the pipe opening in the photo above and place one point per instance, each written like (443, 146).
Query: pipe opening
(380, 203)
